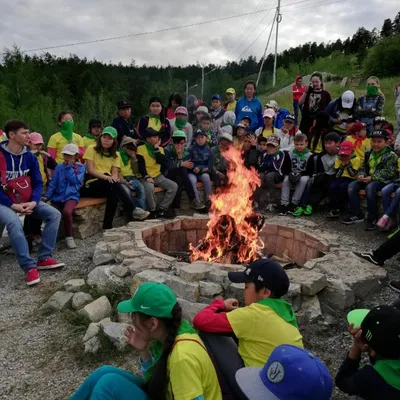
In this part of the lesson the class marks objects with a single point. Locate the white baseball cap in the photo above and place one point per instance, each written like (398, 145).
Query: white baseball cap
(347, 99)
(71, 149)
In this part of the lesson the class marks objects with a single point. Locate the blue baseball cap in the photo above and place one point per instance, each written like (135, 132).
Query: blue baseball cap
(291, 373)
(216, 97)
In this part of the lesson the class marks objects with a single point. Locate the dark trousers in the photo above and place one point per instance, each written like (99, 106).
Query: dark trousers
(296, 110)
(337, 193)
(113, 192)
(223, 351)
(66, 210)
(181, 177)
(390, 248)
(267, 193)
(316, 190)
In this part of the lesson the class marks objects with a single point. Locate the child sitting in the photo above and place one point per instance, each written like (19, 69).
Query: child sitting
(379, 169)
(246, 121)
(268, 129)
(358, 136)
(239, 135)
(205, 126)
(91, 137)
(132, 170)
(323, 175)
(287, 133)
(200, 112)
(64, 188)
(376, 332)
(249, 150)
(302, 166)
(201, 157)
(346, 169)
(220, 163)
(273, 165)
(154, 159)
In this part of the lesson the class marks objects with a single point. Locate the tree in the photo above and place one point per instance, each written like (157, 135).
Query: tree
(396, 24)
(387, 28)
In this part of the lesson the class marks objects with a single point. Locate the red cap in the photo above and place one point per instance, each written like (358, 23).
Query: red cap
(357, 126)
(346, 148)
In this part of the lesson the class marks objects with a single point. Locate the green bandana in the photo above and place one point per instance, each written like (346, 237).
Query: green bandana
(376, 157)
(67, 130)
(372, 91)
(150, 149)
(37, 154)
(125, 157)
(282, 308)
(90, 136)
(301, 154)
(389, 370)
(180, 123)
(157, 347)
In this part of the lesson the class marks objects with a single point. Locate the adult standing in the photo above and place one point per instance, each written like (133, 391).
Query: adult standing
(297, 89)
(340, 110)
(313, 100)
(174, 101)
(180, 123)
(122, 122)
(20, 193)
(371, 104)
(250, 106)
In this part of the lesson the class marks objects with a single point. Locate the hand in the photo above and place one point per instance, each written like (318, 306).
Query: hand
(149, 180)
(44, 153)
(204, 170)
(108, 178)
(358, 345)
(17, 208)
(187, 164)
(345, 160)
(29, 207)
(135, 340)
(253, 140)
(115, 178)
(231, 304)
(44, 199)
(196, 170)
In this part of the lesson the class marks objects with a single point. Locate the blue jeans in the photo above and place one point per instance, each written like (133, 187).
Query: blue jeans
(138, 188)
(49, 215)
(110, 383)
(205, 179)
(371, 190)
(337, 193)
(390, 207)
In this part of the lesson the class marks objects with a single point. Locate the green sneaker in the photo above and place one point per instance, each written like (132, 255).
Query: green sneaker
(308, 210)
(298, 212)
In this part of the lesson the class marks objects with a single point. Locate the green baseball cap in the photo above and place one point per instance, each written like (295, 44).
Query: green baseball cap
(356, 317)
(109, 130)
(180, 134)
(151, 298)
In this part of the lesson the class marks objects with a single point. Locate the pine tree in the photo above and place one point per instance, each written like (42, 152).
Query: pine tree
(387, 28)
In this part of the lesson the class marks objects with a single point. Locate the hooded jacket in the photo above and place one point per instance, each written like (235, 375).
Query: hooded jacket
(249, 108)
(22, 164)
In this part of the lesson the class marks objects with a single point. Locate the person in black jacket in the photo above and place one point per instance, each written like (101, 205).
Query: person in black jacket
(121, 122)
(376, 332)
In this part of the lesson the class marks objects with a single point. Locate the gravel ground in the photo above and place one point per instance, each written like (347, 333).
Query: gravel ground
(41, 356)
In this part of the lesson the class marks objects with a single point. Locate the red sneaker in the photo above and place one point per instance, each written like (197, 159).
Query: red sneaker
(49, 263)
(32, 277)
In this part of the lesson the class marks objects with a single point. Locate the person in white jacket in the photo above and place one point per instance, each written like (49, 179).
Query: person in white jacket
(288, 132)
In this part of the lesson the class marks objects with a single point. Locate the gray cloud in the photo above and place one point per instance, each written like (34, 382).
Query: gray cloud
(41, 23)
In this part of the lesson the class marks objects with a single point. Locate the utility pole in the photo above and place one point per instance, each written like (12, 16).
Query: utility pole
(266, 49)
(202, 82)
(278, 21)
(187, 91)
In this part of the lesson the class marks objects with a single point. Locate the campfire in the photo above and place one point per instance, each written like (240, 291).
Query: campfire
(233, 230)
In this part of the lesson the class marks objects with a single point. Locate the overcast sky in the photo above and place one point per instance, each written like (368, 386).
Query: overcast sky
(33, 24)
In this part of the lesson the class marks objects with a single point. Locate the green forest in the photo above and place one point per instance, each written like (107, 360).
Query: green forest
(36, 88)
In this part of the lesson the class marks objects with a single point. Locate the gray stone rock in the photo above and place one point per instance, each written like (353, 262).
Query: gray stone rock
(187, 290)
(115, 236)
(210, 289)
(80, 300)
(101, 248)
(129, 253)
(311, 282)
(195, 272)
(103, 277)
(116, 333)
(97, 310)
(105, 321)
(93, 345)
(147, 263)
(294, 290)
(151, 275)
(337, 295)
(59, 301)
(220, 277)
(92, 331)
(103, 259)
(74, 285)
(311, 308)
(189, 309)
(120, 271)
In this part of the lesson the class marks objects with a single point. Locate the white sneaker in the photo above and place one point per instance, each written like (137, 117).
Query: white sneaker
(70, 243)
(140, 214)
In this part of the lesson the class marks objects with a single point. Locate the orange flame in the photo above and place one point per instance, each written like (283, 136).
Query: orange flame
(232, 226)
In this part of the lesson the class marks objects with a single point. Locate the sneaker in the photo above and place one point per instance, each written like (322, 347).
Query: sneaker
(292, 208)
(333, 214)
(370, 225)
(152, 215)
(369, 256)
(197, 204)
(395, 285)
(32, 277)
(49, 263)
(383, 222)
(352, 219)
(298, 212)
(271, 208)
(70, 242)
(308, 210)
(161, 213)
(140, 214)
(283, 209)
(390, 225)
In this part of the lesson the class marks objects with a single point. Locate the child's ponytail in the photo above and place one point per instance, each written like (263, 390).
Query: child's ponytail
(157, 384)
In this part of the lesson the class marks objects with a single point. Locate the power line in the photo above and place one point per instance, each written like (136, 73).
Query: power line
(157, 31)
(314, 6)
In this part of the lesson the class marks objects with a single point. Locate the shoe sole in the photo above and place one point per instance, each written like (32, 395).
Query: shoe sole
(31, 283)
(46, 267)
(353, 222)
(141, 218)
(393, 288)
(370, 229)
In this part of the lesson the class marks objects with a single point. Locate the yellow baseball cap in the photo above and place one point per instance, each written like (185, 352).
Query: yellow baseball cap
(231, 90)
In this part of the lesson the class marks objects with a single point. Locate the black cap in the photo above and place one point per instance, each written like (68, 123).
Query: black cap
(266, 272)
(123, 104)
(94, 122)
(150, 132)
(381, 331)
(380, 133)
(199, 132)
(290, 117)
(246, 117)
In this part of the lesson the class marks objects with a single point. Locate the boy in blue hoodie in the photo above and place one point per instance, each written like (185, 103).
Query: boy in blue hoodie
(17, 161)
(201, 157)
